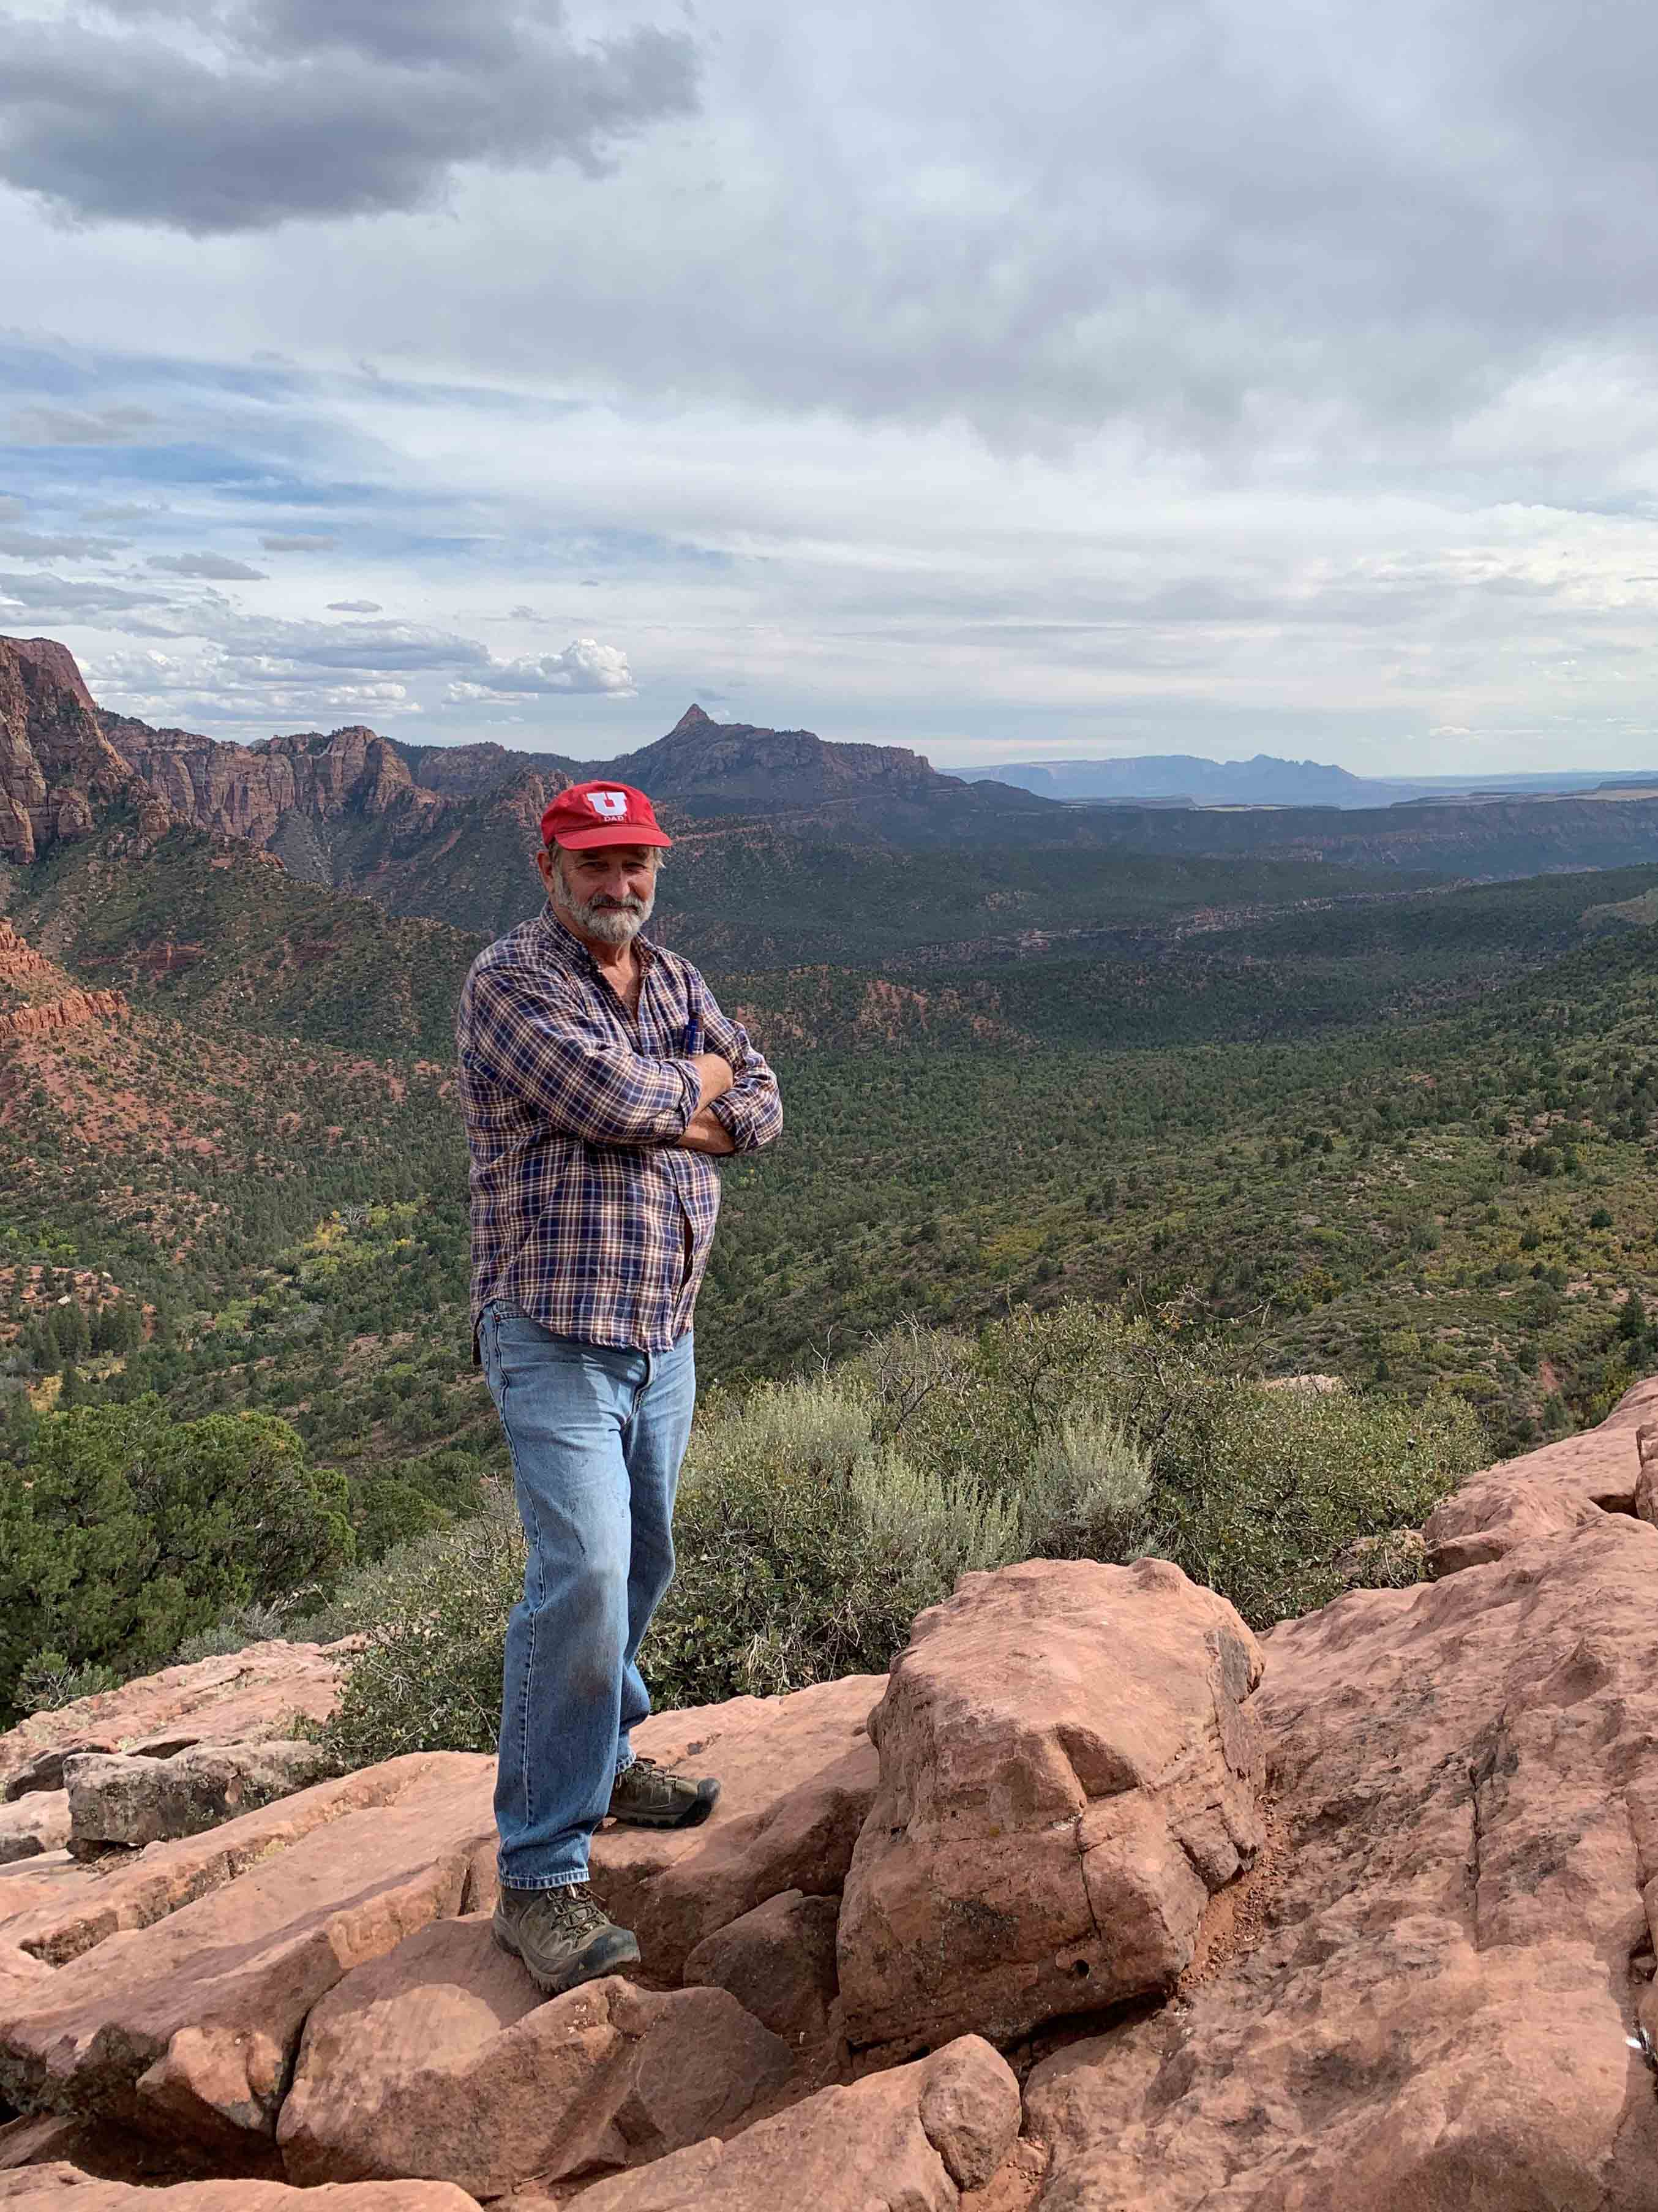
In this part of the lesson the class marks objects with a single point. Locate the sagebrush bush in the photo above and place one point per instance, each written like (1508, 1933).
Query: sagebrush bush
(434, 1613)
(818, 1517)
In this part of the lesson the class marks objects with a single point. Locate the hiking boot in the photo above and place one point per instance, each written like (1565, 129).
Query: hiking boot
(562, 1935)
(646, 1796)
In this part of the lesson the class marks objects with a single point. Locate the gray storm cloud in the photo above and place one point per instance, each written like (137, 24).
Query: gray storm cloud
(236, 118)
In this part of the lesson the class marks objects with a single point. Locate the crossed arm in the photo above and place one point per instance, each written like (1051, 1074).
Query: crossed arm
(719, 1101)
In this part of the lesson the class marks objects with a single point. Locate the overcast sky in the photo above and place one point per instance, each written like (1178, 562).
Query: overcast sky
(1092, 378)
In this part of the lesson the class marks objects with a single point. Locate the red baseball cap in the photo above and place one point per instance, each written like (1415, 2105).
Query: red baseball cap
(589, 814)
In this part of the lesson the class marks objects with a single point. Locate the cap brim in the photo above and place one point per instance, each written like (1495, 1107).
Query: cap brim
(620, 832)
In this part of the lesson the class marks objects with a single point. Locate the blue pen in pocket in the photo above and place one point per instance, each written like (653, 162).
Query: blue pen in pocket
(693, 1037)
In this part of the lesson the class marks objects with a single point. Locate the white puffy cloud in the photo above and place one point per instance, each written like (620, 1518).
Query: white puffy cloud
(300, 543)
(355, 607)
(585, 665)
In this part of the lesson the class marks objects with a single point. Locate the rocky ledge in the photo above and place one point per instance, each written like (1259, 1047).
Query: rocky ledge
(1097, 1901)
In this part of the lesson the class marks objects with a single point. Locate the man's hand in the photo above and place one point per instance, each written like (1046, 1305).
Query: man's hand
(705, 1133)
(715, 1077)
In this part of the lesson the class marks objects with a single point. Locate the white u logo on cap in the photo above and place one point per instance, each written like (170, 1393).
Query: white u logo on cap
(609, 805)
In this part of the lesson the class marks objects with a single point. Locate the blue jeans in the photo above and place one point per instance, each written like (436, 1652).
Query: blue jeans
(596, 1435)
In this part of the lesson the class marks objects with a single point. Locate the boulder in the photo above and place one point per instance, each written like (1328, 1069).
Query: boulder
(34, 1824)
(61, 2188)
(187, 2027)
(1560, 1487)
(248, 1696)
(1068, 1771)
(797, 1774)
(125, 1798)
(443, 2060)
(778, 1961)
(912, 2140)
(1445, 2001)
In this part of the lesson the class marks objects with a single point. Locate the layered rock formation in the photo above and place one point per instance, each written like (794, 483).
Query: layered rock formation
(57, 768)
(1434, 1987)
(247, 791)
(247, 1696)
(72, 1011)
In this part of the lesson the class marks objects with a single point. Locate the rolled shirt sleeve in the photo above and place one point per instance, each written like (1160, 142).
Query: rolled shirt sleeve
(575, 1072)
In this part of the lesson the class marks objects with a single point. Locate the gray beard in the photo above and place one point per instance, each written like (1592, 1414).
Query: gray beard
(609, 923)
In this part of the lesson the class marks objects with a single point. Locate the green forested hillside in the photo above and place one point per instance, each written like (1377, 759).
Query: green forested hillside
(212, 931)
(1408, 1142)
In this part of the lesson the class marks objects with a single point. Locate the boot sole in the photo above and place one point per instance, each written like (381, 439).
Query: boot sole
(607, 1955)
(692, 1817)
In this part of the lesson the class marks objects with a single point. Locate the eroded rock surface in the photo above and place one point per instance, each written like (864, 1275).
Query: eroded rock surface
(126, 1799)
(63, 2187)
(1444, 2011)
(1560, 1487)
(34, 1824)
(1068, 1771)
(911, 2139)
(778, 1961)
(251, 1697)
(190, 2024)
(443, 2060)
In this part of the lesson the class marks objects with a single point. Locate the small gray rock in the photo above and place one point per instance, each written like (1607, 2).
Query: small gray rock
(127, 1800)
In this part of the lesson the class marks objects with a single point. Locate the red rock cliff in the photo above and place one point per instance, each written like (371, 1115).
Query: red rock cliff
(56, 764)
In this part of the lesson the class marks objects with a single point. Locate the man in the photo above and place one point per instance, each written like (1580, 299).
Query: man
(599, 1077)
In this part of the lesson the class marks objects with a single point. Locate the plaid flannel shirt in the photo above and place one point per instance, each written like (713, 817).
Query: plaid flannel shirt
(585, 1215)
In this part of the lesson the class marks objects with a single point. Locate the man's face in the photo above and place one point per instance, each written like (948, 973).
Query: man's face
(607, 893)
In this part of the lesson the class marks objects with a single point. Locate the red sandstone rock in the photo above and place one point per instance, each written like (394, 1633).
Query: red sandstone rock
(1646, 1483)
(55, 761)
(188, 2025)
(73, 1010)
(35, 1824)
(63, 2187)
(909, 2141)
(778, 1961)
(250, 1696)
(1561, 1486)
(244, 791)
(443, 2060)
(797, 1774)
(1444, 2008)
(1067, 1772)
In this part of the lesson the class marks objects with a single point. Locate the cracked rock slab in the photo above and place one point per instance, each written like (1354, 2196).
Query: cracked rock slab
(246, 1696)
(1069, 1769)
(186, 2027)
(63, 2188)
(796, 1773)
(33, 1826)
(1444, 2010)
(913, 2139)
(443, 2060)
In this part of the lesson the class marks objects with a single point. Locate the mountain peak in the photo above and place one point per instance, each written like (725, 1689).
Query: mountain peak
(693, 718)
